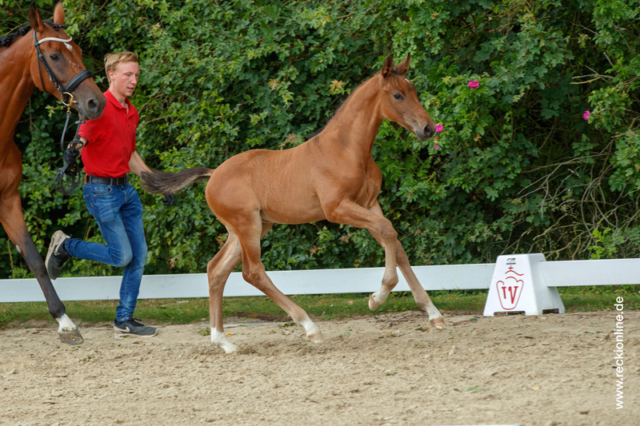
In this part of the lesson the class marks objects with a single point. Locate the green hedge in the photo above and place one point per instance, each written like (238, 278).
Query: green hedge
(518, 168)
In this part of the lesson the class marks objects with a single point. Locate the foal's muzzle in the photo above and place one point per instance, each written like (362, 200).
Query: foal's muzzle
(425, 132)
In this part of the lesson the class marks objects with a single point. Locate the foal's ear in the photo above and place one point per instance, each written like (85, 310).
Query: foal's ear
(387, 67)
(34, 18)
(403, 66)
(58, 14)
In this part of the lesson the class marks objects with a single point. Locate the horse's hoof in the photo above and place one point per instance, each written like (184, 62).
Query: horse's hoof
(228, 347)
(71, 337)
(220, 340)
(316, 337)
(438, 323)
(373, 303)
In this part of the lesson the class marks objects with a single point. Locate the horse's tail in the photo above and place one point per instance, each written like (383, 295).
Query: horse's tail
(167, 183)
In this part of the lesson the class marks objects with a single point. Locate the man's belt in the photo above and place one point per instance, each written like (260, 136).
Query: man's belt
(106, 181)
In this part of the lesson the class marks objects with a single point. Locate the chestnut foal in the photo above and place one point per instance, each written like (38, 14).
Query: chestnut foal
(22, 70)
(331, 176)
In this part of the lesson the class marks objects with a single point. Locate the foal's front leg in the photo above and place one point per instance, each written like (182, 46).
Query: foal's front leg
(419, 294)
(349, 213)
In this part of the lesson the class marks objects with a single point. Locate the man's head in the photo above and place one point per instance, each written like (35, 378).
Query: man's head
(122, 71)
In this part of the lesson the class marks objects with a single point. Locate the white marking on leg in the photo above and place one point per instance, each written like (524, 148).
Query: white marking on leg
(376, 299)
(313, 332)
(435, 317)
(18, 248)
(220, 340)
(433, 312)
(65, 324)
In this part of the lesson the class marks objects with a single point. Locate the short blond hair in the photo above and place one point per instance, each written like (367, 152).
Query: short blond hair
(112, 60)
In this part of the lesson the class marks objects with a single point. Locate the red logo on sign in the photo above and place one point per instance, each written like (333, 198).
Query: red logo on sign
(510, 289)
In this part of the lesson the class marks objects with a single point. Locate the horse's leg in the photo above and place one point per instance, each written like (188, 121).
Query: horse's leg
(218, 271)
(248, 230)
(349, 213)
(419, 294)
(12, 220)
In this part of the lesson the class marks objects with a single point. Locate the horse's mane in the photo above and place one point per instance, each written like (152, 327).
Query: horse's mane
(339, 110)
(22, 31)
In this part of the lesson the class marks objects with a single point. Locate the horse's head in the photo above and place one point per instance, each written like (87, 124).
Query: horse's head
(65, 61)
(399, 100)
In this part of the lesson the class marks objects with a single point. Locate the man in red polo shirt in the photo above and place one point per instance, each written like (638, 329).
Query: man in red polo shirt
(108, 154)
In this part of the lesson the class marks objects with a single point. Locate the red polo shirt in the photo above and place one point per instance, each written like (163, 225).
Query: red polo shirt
(111, 139)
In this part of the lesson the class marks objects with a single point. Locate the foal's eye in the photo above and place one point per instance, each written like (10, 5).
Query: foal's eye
(398, 96)
(54, 57)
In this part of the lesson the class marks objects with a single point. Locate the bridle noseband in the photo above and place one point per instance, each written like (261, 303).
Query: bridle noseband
(69, 101)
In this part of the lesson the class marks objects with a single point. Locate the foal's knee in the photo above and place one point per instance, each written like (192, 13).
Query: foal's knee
(387, 232)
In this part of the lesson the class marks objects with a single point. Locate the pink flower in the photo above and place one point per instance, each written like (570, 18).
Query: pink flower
(586, 115)
(473, 84)
(436, 147)
(439, 128)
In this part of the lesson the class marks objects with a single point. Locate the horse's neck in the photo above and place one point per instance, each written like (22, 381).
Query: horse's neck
(16, 85)
(357, 123)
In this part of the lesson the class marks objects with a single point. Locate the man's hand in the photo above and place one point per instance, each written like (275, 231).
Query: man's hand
(70, 155)
(168, 199)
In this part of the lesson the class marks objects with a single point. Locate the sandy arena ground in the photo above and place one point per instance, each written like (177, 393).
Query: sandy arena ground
(391, 369)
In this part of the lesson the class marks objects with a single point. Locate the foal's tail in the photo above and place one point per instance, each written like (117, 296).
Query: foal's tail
(167, 183)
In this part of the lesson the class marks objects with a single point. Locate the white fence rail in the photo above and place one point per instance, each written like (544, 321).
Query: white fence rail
(568, 273)
(321, 281)
(334, 281)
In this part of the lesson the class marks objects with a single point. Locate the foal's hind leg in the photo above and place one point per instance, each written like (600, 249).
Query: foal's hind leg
(253, 272)
(419, 294)
(218, 271)
(12, 220)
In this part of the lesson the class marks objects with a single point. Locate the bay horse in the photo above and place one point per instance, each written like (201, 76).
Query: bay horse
(331, 176)
(46, 49)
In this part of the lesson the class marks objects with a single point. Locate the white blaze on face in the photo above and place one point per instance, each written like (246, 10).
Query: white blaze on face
(69, 47)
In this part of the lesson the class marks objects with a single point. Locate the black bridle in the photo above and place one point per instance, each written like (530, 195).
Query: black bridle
(67, 99)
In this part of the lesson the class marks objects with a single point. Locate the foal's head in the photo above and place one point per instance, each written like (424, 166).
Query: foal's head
(65, 60)
(399, 100)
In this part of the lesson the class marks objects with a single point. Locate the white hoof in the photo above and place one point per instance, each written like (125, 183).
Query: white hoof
(376, 299)
(438, 323)
(221, 341)
(316, 338)
(313, 332)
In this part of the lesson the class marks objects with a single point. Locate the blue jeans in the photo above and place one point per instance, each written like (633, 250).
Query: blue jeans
(118, 211)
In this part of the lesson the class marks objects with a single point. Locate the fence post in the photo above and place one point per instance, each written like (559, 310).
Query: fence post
(518, 286)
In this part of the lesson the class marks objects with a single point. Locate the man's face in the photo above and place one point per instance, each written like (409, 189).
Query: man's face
(125, 79)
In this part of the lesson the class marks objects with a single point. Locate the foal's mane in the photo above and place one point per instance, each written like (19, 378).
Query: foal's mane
(343, 103)
(22, 31)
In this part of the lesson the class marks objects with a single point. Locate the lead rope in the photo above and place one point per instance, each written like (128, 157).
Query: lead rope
(70, 161)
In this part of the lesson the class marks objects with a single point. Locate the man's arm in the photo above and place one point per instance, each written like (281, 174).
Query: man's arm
(137, 165)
